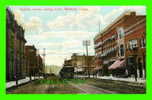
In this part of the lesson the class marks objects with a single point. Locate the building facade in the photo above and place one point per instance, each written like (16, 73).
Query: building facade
(40, 65)
(10, 46)
(111, 45)
(135, 43)
(15, 43)
(20, 50)
(82, 63)
(31, 60)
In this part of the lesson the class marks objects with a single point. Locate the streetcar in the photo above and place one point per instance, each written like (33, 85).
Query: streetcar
(67, 72)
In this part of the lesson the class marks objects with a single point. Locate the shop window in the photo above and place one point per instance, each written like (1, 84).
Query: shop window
(131, 60)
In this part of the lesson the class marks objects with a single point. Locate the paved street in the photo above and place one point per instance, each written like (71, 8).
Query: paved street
(78, 86)
(91, 89)
(119, 86)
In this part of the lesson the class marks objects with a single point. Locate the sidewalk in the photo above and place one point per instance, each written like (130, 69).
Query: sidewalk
(13, 83)
(139, 80)
(131, 79)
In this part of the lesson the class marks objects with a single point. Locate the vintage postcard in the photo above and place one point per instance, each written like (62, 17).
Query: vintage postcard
(76, 49)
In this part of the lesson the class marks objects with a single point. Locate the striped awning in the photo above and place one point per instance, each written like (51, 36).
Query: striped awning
(117, 64)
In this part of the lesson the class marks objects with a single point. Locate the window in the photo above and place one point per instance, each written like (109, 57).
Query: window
(133, 44)
(131, 60)
(143, 43)
(121, 50)
(120, 32)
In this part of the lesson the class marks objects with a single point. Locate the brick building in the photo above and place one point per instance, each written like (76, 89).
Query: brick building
(135, 43)
(82, 63)
(31, 60)
(21, 60)
(20, 49)
(15, 43)
(10, 45)
(40, 65)
(111, 44)
(96, 65)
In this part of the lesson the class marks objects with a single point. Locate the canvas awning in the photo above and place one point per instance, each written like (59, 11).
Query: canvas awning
(117, 64)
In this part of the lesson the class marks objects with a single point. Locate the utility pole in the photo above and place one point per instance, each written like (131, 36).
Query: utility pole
(86, 43)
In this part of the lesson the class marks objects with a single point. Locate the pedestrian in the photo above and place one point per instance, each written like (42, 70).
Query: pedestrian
(132, 70)
(140, 68)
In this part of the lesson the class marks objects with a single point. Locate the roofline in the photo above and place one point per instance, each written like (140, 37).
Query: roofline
(127, 12)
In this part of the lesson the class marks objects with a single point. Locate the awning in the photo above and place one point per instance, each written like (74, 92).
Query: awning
(117, 64)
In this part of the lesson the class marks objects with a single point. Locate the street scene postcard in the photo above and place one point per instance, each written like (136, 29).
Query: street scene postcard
(76, 49)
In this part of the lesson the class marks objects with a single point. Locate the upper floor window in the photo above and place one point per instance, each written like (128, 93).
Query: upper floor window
(143, 43)
(133, 44)
(120, 32)
(122, 50)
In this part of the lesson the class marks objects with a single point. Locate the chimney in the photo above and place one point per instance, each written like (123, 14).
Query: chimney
(133, 13)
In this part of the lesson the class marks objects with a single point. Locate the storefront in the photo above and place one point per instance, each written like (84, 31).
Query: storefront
(118, 68)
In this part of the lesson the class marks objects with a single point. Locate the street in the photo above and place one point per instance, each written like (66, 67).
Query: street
(54, 85)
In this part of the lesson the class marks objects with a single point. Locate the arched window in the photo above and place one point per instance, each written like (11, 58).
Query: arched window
(120, 32)
(122, 50)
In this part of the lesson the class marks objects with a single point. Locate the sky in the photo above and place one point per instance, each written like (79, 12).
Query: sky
(62, 29)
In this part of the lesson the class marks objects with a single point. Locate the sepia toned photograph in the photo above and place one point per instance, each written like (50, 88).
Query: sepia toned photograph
(76, 50)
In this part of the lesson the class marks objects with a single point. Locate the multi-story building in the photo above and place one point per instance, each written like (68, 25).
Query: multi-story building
(21, 61)
(15, 48)
(135, 43)
(31, 60)
(39, 62)
(20, 49)
(110, 44)
(10, 46)
(96, 65)
(82, 63)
